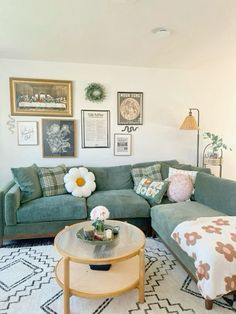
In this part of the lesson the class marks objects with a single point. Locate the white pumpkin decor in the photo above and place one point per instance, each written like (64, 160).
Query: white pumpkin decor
(80, 182)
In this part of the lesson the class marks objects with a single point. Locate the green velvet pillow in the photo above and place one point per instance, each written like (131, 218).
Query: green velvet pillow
(52, 180)
(152, 172)
(28, 181)
(152, 190)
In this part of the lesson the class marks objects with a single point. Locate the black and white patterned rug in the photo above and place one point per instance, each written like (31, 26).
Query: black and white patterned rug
(28, 286)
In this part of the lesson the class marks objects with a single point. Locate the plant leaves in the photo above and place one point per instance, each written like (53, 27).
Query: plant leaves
(216, 141)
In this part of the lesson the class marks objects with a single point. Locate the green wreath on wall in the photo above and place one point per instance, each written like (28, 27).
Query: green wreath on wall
(95, 92)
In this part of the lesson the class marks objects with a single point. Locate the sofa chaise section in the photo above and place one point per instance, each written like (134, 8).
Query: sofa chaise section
(164, 218)
(213, 197)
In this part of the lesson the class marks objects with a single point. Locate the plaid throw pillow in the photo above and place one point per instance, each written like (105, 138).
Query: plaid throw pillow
(52, 180)
(152, 172)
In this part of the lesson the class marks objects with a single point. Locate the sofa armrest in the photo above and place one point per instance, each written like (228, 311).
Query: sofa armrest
(3, 191)
(1, 213)
(12, 203)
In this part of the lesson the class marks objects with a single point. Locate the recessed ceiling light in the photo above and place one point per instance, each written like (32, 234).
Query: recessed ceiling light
(161, 32)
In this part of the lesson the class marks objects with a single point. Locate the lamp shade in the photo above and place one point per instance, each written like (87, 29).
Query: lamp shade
(189, 123)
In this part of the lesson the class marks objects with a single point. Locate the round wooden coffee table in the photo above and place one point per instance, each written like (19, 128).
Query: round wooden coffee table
(125, 254)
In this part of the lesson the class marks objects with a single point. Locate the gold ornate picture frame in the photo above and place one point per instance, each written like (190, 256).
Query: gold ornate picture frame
(40, 97)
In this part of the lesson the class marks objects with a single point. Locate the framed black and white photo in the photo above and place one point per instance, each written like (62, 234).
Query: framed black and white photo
(27, 132)
(122, 144)
(58, 138)
(95, 128)
(130, 108)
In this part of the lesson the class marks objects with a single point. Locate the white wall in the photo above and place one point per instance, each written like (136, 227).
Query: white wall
(167, 96)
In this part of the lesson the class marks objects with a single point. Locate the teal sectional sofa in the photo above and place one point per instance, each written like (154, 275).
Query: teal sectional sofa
(213, 196)
(45, 216)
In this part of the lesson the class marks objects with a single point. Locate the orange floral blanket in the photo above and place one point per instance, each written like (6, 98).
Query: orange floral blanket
(211, 242)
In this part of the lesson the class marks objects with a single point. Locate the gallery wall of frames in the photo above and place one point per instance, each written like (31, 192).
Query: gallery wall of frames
(51, 100)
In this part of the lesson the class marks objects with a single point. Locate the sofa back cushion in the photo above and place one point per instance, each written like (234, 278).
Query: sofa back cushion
(217, 193)
(112, 178)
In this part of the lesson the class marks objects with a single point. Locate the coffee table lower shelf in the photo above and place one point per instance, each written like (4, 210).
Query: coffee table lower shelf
(84, 282)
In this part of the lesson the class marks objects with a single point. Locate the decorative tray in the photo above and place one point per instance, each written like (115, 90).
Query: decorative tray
(115, 234)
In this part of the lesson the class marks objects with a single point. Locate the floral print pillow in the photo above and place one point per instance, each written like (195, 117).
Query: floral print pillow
(152, 190)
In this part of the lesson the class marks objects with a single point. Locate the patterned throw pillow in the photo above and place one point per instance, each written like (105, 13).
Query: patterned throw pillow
(152, 172)
(52, 180)
(152, 190)
(180, 188)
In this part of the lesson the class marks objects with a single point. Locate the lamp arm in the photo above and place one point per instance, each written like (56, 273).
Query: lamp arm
(198, 115)
(198, 123)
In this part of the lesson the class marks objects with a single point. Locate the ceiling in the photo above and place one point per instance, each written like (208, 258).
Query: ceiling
(118, 32)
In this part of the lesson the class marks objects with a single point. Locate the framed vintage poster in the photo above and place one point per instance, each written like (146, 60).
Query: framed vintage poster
(130, 108)
(38, 97)
(27, 132)
(122, 144)
(95, 128)
(58, 138)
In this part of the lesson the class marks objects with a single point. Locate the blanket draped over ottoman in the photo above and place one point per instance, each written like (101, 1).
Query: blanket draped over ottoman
(211, 242)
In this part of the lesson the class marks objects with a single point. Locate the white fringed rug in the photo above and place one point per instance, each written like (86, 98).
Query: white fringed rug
(28, 286)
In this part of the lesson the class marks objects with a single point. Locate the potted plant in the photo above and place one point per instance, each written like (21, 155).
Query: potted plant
(98, 215)
(216, 146)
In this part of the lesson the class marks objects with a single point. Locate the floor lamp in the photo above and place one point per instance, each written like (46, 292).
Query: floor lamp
(191, 124)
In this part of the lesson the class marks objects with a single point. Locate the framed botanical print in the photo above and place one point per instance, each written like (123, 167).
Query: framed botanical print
(58, 138)
(27, 132)
(122, 144)
(130, 108)
(95, 128)
(39, 97)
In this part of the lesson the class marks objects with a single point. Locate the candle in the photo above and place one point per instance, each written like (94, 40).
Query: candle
(108, 234)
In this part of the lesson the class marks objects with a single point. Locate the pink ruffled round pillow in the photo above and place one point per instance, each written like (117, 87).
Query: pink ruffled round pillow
(180, 188)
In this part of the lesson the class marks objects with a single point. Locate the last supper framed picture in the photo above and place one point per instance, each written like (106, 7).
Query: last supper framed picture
(40, 97)
(130, 108)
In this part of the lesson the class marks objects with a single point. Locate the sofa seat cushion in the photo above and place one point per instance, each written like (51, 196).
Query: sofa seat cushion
(121, 203)
(53, 208)
(170, 215)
